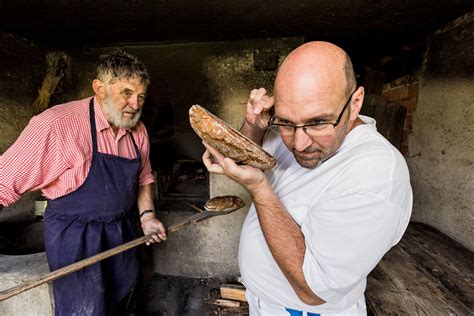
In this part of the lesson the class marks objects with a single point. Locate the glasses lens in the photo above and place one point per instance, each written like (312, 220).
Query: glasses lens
(286, 130)
(320, 130)
(311, 130)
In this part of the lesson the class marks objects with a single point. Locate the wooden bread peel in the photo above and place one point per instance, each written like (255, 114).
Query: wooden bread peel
(203, 215)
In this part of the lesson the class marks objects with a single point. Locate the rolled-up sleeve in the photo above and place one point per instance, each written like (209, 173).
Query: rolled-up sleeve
(345, 239)
(32, 162)
(146, 175)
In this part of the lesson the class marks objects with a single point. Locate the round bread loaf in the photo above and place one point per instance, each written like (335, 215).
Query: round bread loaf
(227, 140)
(224, 203)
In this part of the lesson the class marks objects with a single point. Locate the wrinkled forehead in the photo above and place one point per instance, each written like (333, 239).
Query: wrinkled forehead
(135, 84)
(124, 78)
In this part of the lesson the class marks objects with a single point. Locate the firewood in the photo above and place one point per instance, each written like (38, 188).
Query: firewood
(225, 303)
(233, 292)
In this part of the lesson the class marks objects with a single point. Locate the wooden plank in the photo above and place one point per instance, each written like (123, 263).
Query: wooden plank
(401, 284)
(233, 292)
(390, 118)
(226, 303)
(443, 258)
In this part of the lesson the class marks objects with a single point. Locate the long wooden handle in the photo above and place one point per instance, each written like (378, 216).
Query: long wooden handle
(82, 264)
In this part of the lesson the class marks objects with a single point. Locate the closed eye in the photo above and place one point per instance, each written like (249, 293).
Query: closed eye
(280, 121)
(317, 122)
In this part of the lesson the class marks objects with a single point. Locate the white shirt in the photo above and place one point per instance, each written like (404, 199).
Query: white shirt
(351, 209)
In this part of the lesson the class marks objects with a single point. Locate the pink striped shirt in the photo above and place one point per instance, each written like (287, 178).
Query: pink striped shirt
(54, 152)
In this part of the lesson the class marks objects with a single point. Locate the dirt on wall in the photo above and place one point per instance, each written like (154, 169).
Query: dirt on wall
(441, 147)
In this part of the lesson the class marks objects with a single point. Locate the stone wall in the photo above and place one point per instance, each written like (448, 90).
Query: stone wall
(441, 148)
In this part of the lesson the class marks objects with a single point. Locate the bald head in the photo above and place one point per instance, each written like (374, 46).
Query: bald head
(316, 65)
(316, 84)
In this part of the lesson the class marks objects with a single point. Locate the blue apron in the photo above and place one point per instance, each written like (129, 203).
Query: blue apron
(99, 215)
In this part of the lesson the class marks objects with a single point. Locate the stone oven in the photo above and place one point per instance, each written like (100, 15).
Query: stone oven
(417, 70)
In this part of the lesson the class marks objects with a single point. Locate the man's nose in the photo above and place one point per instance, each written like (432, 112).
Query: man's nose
(134, 102)
(302, 140)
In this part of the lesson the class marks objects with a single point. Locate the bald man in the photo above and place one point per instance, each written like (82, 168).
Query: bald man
(338, 199)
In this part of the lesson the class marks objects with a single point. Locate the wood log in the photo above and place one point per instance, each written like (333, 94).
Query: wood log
(233, 292)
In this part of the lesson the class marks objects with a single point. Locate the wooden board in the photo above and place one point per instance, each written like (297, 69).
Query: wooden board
(425, 274)
(390, 118)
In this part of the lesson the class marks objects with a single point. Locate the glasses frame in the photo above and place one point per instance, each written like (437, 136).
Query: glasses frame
(304, 126)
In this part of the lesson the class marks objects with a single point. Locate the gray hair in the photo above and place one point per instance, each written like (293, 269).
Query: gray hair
(121, 65)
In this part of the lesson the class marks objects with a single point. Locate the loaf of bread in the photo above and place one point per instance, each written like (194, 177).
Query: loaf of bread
(228, 141)
(224, 203)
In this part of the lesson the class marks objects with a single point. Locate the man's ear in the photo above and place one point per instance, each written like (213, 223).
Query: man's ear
(357, 100)
(99, 88)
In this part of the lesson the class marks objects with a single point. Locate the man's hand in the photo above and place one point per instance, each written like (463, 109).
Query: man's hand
(258, 109)
(152, 225)
(249, 177)
(257, 116)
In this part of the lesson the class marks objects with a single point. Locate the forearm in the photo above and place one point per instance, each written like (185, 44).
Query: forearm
(285, 240)
(149, 223)
(145, 197)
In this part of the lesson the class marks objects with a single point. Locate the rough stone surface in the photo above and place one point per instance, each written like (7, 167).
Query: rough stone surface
(442, 144)
(16, 270)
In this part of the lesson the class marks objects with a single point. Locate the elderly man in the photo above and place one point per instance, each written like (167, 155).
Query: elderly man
(338, 199)
(90, 158)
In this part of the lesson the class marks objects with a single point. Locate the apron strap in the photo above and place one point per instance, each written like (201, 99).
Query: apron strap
(93, 128)
(135, 145)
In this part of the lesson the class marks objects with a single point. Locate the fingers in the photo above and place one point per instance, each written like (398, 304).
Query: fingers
(155, 227)
(162, 230)
(259, 101)
(226, 165)
(207, 159)
(247, 176)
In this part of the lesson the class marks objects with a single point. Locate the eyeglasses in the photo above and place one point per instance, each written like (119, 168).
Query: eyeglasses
(316, 129)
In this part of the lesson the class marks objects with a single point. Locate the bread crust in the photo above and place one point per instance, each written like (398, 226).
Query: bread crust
(228, 141)
(224, 203)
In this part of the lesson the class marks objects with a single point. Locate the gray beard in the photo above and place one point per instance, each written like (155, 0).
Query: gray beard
(308, 164)
(115, 117)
